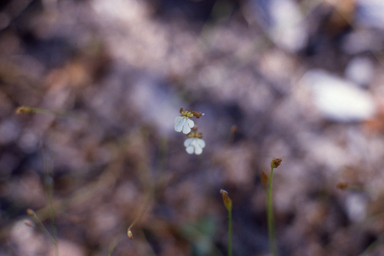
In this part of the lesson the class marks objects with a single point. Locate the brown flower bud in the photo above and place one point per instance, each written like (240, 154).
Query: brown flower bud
(30, 212)
(226, 199)
(342, 185)
(197, 114)
(276, 162)
(129, 233)
(23, 110)
(264, 179)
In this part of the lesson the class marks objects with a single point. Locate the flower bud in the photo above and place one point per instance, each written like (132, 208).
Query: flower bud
(23, 110)
(226, 199)
(276, 162)
(197, 114)
(30, 212)
(129, 233)
(342, 185)
(264, 179)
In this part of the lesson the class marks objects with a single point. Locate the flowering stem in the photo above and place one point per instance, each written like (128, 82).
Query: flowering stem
(149, 185)
(271, 223)
(49, 184)
(33, 213)
(228, 205)
(112, 248)
(229, 249)
(28, 110)
(149, 197)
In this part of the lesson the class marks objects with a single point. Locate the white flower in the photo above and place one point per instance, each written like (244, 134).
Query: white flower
(183, 123)
(194, 145)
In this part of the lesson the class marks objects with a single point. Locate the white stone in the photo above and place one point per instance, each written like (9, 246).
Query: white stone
(337, 99)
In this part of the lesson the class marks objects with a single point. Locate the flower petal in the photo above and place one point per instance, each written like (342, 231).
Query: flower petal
(178, 119)
(188, 142)
(200, 143)
(190, 149)
(191, 123)
(179, 126)
(186, 128)
(198, 150)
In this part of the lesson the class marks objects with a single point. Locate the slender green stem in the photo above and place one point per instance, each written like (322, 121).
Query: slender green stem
(49, 185)
(230, 233)
(44, 229)
(271, 222)
(53, 220)
(27, 110)
(111, 249)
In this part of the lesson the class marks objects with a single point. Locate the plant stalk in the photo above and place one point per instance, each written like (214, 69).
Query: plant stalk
(271, 222)
(229, 249)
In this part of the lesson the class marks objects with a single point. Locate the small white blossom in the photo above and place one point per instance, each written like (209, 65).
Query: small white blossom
(194, 145)
(184, 124)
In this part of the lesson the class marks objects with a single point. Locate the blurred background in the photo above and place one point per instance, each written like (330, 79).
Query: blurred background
(298, 79)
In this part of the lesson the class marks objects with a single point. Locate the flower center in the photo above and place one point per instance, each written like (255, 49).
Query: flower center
(195, 135)
(187, 114)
